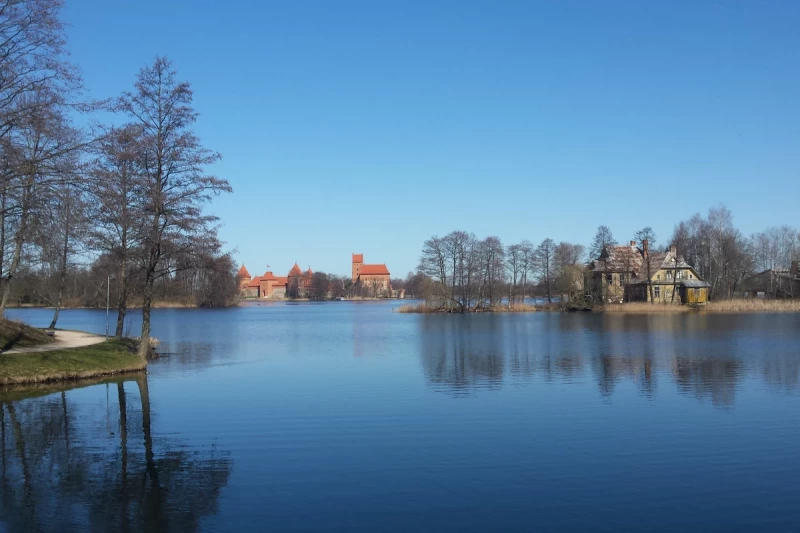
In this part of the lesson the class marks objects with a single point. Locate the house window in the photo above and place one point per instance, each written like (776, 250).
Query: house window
(690, 276)
(658, 276)
(621, 280)
(669, 274)
(610, 278)
(657, 292)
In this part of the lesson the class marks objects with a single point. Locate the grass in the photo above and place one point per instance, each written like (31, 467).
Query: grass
(17, 334)
(104, 359)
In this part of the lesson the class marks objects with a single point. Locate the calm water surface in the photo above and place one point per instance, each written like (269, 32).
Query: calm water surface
(347, 417)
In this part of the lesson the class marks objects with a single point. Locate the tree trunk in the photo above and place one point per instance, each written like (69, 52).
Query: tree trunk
(63, 275)
(122, 300)
(2, 228)
(12, 268)
(147, 301)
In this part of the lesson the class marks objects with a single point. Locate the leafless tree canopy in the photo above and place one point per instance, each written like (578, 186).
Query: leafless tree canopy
(80, 207)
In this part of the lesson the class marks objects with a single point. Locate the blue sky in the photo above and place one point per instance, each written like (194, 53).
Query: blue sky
(370, 126)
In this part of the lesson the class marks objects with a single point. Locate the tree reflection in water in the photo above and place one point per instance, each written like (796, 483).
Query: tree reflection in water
(702, 356)
(62, 469)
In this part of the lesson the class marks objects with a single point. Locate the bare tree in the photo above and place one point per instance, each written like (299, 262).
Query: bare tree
(32, 60)
(173, 163)
(602, 238)
(118, 207)
(514, 262)
(62, 232)
(646, 234)
(38, 153)
(545, 256)
(526, 264)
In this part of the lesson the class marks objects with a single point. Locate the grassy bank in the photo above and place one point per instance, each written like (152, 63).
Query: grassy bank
(104, 359)
(424, 308)
(15, 334)
(723, 306)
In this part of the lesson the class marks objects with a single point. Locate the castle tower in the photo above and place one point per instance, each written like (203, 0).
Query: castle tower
(358, 262)
(244, 277)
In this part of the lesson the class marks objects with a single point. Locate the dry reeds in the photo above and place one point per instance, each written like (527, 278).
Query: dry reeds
(722, 306)
(421, 307)
(645, 307)
(754, 306)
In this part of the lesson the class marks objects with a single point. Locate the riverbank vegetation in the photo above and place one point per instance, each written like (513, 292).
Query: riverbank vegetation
(461, 273)
(104, 359)
(735, 305)
(118, 209)
(423, 307)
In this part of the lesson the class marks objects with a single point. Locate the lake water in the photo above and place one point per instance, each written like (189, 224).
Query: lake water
(346, 416)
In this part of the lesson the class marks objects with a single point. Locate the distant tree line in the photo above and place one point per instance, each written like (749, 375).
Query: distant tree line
(460, 272)
(81, 204)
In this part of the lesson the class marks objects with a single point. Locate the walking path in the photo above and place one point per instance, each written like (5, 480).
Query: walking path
(63, 339)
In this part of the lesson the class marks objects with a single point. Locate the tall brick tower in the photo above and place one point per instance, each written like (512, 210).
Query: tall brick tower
(358, 262)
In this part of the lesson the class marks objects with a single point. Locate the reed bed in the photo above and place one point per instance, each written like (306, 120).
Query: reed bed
(754, 306)
(722, 306)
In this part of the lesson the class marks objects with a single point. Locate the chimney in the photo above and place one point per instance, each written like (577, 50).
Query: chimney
(645, 246)
(673, 250)
(633, 244)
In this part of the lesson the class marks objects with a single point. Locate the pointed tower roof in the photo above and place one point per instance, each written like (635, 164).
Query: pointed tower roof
(243, 273)
(309, 272)
(295, 271)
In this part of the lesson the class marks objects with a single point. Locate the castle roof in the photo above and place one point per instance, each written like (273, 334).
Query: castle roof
(309, 272)
(374, 270)
(358, 258)
(254, 282)
(243, 273)
(295, 271)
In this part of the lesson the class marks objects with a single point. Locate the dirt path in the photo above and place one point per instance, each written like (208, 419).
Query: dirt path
(63, 339)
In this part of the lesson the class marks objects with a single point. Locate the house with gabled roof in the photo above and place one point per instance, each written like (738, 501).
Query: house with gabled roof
(632, 274)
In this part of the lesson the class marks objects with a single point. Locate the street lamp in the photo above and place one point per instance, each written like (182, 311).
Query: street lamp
(108, 299)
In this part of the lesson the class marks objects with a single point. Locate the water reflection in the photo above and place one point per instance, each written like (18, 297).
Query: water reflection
(706, 357)
(464, 352)
(63, 468)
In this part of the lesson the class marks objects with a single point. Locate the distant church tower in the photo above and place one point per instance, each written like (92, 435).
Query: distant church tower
(358, 262)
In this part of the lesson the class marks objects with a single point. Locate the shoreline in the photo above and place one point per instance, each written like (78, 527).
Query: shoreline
(642, 308)
(69, 364)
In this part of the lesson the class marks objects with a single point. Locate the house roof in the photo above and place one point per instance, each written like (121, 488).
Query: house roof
(618, 259)
(358, 258)
(694, 283)
(374, 270)
(243, 273)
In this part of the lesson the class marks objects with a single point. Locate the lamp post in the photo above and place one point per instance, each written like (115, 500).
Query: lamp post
(108, 299)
